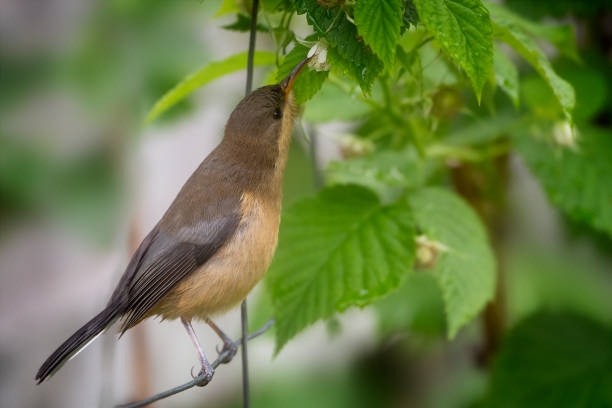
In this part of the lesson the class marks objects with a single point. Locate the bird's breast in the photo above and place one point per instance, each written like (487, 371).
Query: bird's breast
(229, 275)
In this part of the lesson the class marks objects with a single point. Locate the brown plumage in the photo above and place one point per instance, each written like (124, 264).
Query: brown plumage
(217, 238)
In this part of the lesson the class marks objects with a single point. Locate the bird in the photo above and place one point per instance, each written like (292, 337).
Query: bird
(217, 238)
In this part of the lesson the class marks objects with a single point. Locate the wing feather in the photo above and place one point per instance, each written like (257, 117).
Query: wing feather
(203, 216)
(169, 267)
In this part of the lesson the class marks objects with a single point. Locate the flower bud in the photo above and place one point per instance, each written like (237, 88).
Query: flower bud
(565, 134)
(352, 146)
(427, 252)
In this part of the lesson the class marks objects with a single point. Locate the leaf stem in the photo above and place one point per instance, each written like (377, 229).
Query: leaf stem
(331, 25)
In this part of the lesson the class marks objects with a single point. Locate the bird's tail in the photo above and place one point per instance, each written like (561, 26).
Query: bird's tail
(77, 342)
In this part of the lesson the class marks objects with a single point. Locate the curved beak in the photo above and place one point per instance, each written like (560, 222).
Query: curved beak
(287, 83)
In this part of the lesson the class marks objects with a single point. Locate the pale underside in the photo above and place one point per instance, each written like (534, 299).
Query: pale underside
(229, 275)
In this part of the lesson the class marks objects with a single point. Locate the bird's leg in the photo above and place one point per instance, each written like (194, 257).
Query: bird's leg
(207, 369)
(228, 344)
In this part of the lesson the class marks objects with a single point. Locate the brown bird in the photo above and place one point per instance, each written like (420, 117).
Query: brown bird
(217, 238)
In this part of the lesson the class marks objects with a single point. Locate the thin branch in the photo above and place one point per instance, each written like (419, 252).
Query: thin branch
(245, 355)
(252, 36)
(243, 306)
(197, 380)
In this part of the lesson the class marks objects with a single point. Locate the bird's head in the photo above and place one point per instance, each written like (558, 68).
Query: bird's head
(264, 118)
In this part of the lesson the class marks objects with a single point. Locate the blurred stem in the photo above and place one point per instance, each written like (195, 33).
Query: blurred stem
(422, 43)
(390, 110)
(468, 153)
(416, 139)
(278, 37)
(141, 367)
(484, 186)
(386, 92)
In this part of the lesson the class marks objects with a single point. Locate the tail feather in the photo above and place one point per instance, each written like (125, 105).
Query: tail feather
(77, 342)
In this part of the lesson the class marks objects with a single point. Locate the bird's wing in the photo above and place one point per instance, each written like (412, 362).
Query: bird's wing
(169, 254)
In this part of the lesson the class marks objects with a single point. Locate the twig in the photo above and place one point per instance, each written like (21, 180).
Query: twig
(252, 35)
(243, 306)
(200, 378)
(245, 354)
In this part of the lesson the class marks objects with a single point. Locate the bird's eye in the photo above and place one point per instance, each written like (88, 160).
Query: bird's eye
(277, 113)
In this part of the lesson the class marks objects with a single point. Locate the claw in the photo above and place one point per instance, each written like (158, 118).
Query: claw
(231, 348)
(207, 375)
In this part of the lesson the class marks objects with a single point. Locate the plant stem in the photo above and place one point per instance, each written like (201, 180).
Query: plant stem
(488, 199)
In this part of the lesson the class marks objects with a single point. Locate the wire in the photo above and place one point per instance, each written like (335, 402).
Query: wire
(198, 380)
(243, 308)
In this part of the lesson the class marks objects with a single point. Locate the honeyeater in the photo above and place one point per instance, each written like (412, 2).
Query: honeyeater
(217, 238)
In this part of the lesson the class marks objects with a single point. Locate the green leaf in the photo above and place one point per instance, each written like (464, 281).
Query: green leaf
(227, 7)
(510, 33)
(410, 16)
(589, 84)
(439, 72)
(465, 267)
(243, 24)
(302, 6)
(205, 75)
(539, 98)
(358, 71)
(340, 249)
(277, 5)
(387, 172)
(308, 82)
(506, 75)
(347, 54)
(298, 183)
(576, 180)
(379, 23)
(332, 103)
(553, 361)
(464, 29)
(592, 90)
(561, 36)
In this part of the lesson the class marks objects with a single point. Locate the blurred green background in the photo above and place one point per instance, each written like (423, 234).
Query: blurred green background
(79, 173)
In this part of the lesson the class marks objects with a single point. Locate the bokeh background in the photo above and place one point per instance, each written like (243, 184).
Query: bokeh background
(82, 180)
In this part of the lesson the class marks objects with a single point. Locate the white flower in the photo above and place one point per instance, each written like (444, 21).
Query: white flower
(318, 52)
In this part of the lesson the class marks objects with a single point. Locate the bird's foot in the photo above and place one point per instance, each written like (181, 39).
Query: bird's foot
(228, 351)
(205, 375)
